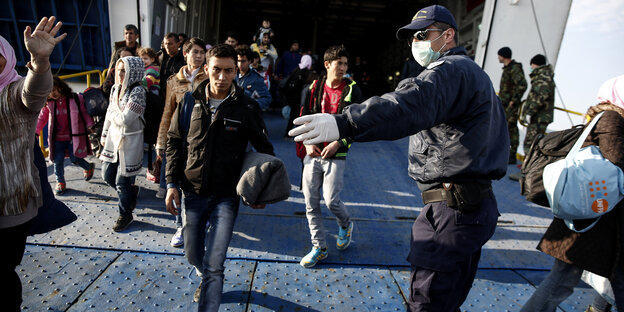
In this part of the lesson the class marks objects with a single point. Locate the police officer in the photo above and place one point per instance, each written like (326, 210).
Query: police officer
(457, 126)
(512, 87)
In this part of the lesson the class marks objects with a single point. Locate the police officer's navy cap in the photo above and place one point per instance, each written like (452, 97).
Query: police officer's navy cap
(426, 17)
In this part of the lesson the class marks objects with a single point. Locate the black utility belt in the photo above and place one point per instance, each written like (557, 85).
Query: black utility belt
(465, 197)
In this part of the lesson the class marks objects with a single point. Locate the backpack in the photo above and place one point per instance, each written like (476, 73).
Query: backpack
(95, 101)
(299, 147)
(584, 185)
(545, 149)
(154, 107)
(292, 84)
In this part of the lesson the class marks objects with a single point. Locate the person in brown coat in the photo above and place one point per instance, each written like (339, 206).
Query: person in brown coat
(599, 249)
(178, 85)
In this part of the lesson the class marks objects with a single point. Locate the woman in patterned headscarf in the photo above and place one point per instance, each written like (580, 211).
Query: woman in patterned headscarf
(122, 136)
(21, 99)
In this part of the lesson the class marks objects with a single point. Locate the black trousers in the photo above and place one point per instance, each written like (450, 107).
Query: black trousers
(445, 252)
(12, 253)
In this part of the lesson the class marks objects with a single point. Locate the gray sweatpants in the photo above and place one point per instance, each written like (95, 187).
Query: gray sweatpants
(328, 174)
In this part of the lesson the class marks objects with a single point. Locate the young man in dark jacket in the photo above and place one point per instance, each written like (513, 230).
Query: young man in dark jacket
(130, 44)
(171, 61)
(205, 150)
(457, 128)
(325, 162)
(250, 81)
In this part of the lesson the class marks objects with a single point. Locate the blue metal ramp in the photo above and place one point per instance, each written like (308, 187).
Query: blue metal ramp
(87, 267)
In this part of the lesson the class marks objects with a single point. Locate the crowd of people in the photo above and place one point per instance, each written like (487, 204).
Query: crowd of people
(214, 97)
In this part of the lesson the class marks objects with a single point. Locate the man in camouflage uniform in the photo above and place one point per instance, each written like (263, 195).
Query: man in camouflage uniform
(540, 104)
(512, 87)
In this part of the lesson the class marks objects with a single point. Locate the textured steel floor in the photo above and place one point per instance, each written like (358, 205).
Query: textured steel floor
(87, 267)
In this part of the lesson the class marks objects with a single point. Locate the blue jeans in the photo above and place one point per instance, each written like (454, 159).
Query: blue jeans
(163, 184)
(559, 285)
(206, 248)
(122, 184)
(59, 158)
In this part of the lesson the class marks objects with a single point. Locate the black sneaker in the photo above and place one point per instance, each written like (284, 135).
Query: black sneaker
(122, 223)
(197, 293)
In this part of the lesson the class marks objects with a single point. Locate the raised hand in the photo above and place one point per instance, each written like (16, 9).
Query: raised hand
(42, 41)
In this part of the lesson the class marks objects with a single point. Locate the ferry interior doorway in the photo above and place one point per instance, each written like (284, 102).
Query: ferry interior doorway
(366, 27)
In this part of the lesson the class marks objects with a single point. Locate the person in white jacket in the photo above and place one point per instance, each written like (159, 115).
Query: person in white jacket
(122, 136)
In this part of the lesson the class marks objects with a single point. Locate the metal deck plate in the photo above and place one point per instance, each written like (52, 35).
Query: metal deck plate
(148, 282)
(383, 202)
(582, 296)
(506, 290)
(288, 239)
(290, 287)
(53, 278)
(95, 204)
(513, 247)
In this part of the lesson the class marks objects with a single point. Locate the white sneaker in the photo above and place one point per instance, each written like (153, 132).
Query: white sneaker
(178, 238)
(161, 192)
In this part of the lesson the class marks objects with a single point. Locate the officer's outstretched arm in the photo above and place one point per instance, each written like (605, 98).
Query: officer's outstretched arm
(315, 129)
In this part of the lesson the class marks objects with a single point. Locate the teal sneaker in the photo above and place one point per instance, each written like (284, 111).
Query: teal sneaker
(344, 237)
(313, 257)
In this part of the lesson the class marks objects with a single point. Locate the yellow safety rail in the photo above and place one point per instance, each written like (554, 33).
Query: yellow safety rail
(569, 111)
(101, 76)
(87, 74)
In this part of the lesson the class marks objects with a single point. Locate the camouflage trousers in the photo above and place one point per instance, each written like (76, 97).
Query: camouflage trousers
(512, 126)
(533, 130)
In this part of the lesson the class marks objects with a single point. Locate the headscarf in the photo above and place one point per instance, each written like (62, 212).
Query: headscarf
(306, 62)
(135, 71)
(9, 74)
(612, 91)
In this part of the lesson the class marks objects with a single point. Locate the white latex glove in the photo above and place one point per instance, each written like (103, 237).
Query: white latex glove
(528, 119)
(315, 129)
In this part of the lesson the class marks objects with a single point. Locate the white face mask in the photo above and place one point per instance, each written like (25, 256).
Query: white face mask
(422, 52)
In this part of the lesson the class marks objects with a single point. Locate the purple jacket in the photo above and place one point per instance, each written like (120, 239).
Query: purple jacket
(80, 121)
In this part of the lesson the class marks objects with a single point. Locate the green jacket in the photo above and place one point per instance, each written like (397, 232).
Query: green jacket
(540, 103)
(512, 84)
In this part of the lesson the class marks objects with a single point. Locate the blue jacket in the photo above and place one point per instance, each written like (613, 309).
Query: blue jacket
(288, 63)
(252, 81)
(455, 120)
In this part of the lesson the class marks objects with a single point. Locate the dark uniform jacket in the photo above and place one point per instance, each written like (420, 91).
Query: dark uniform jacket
(599, 249)
(456, 122)
(312, 104)
(216, 148)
